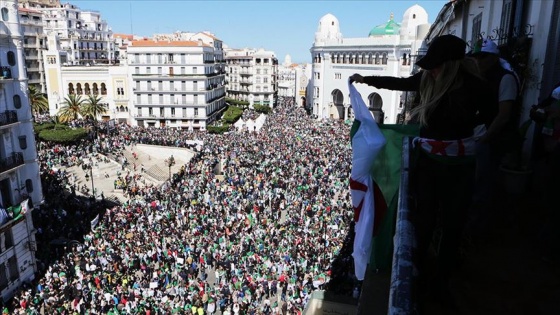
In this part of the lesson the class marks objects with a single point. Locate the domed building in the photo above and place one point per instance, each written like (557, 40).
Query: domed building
(386, 51)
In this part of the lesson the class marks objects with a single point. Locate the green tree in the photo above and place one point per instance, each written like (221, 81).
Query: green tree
(72, 108)
(92, 107)
(37, 100)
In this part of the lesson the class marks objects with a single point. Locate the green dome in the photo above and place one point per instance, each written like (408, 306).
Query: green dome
(389, 28)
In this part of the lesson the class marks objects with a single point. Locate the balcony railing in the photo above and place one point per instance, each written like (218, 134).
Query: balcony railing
(12, 161)
(8, 117)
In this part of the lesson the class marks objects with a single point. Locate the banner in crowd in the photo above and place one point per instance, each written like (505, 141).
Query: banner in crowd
(95, 221)
(367, 140)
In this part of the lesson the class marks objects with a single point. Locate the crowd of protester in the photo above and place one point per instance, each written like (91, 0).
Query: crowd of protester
(257, 237)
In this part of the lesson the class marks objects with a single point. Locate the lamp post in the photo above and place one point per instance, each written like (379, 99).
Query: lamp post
(170, 162)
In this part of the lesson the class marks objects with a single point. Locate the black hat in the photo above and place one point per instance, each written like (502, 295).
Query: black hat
(442, 49)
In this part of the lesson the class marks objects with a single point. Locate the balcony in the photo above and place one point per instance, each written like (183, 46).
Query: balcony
(11, 162)
(504, 274)
(8, 117)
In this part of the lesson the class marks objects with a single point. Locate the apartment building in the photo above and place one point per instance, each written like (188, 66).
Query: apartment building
(20, 185)
(83, 35)
(34, 45)
(252, 76)
(176, 83)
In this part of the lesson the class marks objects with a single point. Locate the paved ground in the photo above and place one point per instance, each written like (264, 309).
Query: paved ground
(151, 158)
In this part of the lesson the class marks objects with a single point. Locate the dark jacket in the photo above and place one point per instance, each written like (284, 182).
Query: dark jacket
(456, 115)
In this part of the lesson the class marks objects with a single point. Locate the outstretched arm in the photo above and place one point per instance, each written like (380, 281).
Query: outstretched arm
(411, 83)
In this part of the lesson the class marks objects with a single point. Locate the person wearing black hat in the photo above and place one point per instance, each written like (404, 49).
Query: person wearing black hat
(451, 93)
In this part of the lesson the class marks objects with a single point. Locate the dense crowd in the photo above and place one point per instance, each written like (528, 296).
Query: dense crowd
(257, 238)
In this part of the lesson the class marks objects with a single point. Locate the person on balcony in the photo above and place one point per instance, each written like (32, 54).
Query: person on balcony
(442, 180)
(498, 134)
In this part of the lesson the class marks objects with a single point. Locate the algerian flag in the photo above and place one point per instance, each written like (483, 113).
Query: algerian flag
(367, 141)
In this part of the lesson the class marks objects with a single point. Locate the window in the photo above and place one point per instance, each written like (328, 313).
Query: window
(172, 111)
(29, 185)
(505, 23)
(384, 59)
(8, 239)
(3, 277)
(196, 112)
(148, 70)
(13, 268)
(150, 111)
(476, 27)
(265, 80)
(11, 58)
(194, 70)
(23, 142)
(139, 111)
(103, 89)
(170, 57)
(5, 14)
(136, 70)
(159, 70)
(17, 101)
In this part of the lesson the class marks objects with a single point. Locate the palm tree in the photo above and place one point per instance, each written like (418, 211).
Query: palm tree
(37, 100)
(72, 108)
(92, 107)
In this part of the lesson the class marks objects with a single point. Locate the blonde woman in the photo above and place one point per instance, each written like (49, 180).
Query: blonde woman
(451, 96)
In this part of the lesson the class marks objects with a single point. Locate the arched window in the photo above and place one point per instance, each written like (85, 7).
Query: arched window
(79, 90)
(70, 88)
(5, 14)
(377, 60)
(337, 97)
(375, 101)
(17, 101)
(363, 59)
(103, 89)
(370, 59)
(87, 90)
(384, 59)
(333, 58)
(95, 89)
(11, 58)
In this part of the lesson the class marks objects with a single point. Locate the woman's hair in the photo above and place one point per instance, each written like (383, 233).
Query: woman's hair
(433, 89)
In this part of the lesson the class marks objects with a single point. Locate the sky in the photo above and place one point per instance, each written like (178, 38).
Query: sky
(285, 27)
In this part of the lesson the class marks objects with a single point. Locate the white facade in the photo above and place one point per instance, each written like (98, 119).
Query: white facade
(83, 35)
(287, 78)
(252, 75)
(176, 83)
(385, 52)
(34, 44)
(19, 170)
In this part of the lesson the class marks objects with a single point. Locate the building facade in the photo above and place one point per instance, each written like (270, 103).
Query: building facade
(175, 83)
(385, 52)
(85, 38)
(19, 169)
(252, 76)
(34, 45)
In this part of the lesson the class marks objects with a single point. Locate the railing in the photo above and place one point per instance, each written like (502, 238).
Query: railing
(402, 274)
(8, 117)
(12, 161)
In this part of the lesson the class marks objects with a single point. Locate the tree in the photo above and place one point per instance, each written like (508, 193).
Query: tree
(37, 100)
(92, 107)
(72, 108)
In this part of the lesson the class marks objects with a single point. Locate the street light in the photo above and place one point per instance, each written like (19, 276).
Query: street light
(170, 162)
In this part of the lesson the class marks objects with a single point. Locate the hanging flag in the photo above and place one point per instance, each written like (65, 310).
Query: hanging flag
(367, 140)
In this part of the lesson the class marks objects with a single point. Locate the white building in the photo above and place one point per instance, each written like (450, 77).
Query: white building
(176, 83)
(287, 78)
(385, 52)
(19, 170)
(34, 44)
(252, 76)
(82, 34)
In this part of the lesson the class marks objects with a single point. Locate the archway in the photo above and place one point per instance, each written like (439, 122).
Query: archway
(375, 105)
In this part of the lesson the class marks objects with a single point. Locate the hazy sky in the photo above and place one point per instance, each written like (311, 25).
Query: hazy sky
(285, 27)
